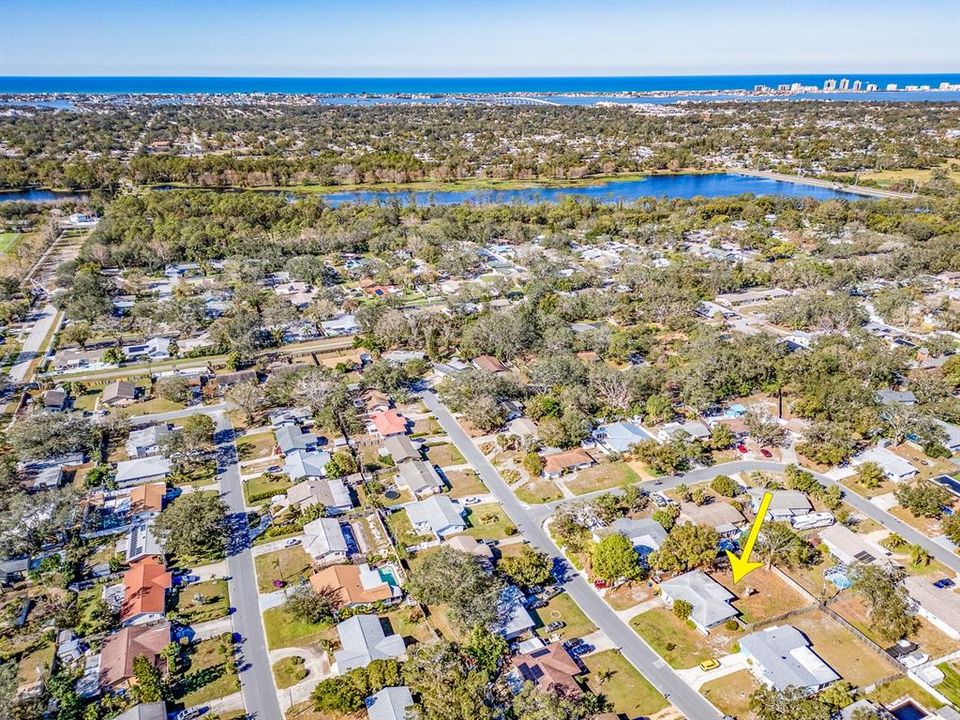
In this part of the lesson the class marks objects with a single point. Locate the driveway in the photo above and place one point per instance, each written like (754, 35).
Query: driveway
(647, 662)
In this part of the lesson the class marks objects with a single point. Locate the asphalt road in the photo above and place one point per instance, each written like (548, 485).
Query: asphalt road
(651, 665)
(860, 503)
(256, 677)
(32, 347)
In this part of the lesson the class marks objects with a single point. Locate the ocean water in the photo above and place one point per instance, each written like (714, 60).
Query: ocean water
(471, 85)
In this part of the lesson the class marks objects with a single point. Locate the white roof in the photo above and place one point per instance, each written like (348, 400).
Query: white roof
(363, 640)
(391, 703)
(892, 464)
(847, 546)
(710, 599)
(438, 512)
(942, 603)
(147, 437)
(324, 536)
(142, 468)
(783, 657)
(302, 464)
(514, 619)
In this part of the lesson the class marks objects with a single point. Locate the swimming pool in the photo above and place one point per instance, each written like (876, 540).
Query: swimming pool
(909, 711)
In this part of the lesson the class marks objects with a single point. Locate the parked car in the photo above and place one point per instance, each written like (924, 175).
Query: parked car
(557, 625)
(582, 649)
(551, 592)
(766, 453)
(471, 501)
(659, 500)
(600, 584)
(189, 713)
(537, 603)
(708, 665)
(187, 579)
(291, 542)
(741, 448)
(572, 643)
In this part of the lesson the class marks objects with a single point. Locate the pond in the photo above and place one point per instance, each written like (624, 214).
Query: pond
(38, 195)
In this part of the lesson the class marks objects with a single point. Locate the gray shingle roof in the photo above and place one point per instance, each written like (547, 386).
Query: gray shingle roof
(782, 655)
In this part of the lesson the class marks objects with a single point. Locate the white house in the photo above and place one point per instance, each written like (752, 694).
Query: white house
(142, 470)
(893, 466)
(363, 640)
(710, 600)
(941, 606)
(781, 657)
(391, 703)
(324, 541)
(784, 504)
(419, 477)
(146, 441)
(436, 515)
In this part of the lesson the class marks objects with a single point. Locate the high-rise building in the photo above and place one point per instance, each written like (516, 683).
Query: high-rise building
(845, 84)
(857, 85)
(830, 84)
(891, 87)
(795, 87)
(871, 87)
(782, 87)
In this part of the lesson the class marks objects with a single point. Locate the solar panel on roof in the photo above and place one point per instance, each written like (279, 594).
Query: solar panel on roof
(864, 557)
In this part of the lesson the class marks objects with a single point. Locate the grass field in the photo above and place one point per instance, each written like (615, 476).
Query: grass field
(288, 565)
(731, 693)
(673, 640)
(538, 491)
(210, 674)
(283, 630)
(603, 477)
(630, 694)
(289, 671)
(8, 242)
(896, 689)
(215, 603)
(564, 609)
(489, 522)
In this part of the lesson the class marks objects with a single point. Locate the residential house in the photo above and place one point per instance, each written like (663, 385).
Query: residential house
(567, 461)
(401, 448)
(894, 467)
(419, 477)
(389, 423)
(301, 464)
(515, 620)
(401, 357)
(288, 416)
(156, 348)
(14, 571)
(293, 438)
(618, 437)
(687, 430)
(781, 657)
(488, 363)
(146, 441)
(952, 443)
(711, 601)
(358, 584)
(71, 359)
(333, 494)
(436, 515)
(645, 534)
(145, 587)
(848, 547)
(372, 400)
(55, 400)
(146, 501)
(547, 667)
(720, 515)
(390, 703)
(142, 470)
(362, 640)
(784, 504)
(140, 543)
(470, 545)
(124, 646)
(896, 397)
(324, 541)
(219, 383)
(343, 324)
(118, 394)
(941, 606)
(145, 711)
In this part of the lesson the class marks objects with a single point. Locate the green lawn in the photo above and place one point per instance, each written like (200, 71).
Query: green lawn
(629, 692)
(215, 602)
(289, 671)
(731, 693)
(42, 657)
(673, 640)
(540, 490)
(896, 689)
(256, 446)
(603, 477)
(950, 687)
(464, 483)
(202, 474)
(283, 630)
(260, 486)
(562, 607)
(210, 673)
(288, 564)
(444, 454)
(402, 529)
(151, 406)
(8, 242)
(489, 522)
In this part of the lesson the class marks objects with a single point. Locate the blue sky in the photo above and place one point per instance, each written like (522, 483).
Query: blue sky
(461, 37)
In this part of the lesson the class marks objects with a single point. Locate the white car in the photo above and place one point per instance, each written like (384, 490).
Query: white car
(291, 542)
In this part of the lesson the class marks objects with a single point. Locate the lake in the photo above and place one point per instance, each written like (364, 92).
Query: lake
(613, 191)
(673, 186)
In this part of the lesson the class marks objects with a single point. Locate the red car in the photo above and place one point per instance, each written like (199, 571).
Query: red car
(765, 452)
(600, 584)
(742, 448)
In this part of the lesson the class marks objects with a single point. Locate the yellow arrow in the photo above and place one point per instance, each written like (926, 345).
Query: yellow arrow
(741, 566)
